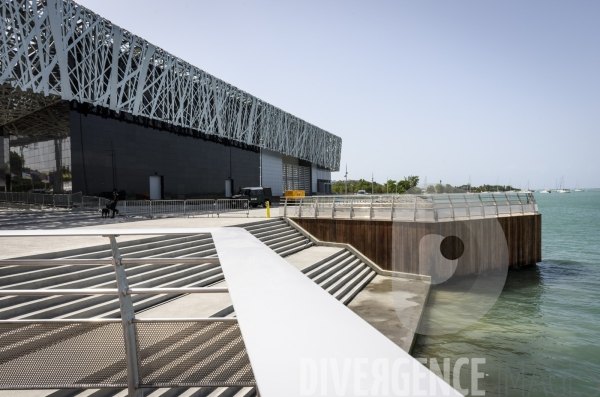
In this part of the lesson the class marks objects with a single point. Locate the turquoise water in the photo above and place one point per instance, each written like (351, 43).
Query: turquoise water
(542, 337)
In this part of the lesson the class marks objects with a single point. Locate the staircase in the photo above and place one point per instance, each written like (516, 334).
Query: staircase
(342, 274)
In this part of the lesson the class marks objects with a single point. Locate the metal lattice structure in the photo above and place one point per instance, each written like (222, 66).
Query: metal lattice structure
(60, 49)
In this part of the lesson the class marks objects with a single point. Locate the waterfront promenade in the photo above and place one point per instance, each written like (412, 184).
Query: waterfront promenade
(335, 269)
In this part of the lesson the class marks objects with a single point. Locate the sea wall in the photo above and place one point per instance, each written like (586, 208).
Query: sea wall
(479, 245)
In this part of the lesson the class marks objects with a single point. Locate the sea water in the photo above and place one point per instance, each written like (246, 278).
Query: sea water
(542, 336)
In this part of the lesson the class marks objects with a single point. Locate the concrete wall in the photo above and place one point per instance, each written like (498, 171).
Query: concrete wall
(191, 168)
(272, 171)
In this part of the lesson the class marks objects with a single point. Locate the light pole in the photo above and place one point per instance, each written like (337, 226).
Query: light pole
(260, 145)
(346, 176)
(372, 181)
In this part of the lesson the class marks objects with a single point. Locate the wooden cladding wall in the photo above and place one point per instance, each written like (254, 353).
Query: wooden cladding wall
(485, 242)
(372, 238)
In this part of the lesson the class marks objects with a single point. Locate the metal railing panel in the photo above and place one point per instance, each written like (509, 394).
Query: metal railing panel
(167, 207)
(47, 355)
(192, 353)
(407, 207)
(199, 207)
(134, 208)
(232, 206)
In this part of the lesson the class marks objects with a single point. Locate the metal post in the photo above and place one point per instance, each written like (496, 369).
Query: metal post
(392, 209)
(371, 209)
(452, 207)
(468, 209)
(520, 203)
(508, 202)
(351, 207)
(495, 204)
(482, 207)
(415, 211)
(316, 207)
(300, 208)
(127, 317)
(333, 209)
(285, 208)
(260, 165)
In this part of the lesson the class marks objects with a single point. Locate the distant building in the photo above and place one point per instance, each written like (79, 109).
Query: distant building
(88, 106)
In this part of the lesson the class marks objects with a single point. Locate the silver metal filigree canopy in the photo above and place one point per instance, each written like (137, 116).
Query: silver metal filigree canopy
(61, 50)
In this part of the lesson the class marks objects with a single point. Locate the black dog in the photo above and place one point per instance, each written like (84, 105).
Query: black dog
(106, 212)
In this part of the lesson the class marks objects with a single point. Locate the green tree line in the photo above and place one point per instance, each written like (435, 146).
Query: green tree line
(409, 184)
(389, 187)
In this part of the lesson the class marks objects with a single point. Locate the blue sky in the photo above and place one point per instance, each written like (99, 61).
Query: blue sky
(504, 91)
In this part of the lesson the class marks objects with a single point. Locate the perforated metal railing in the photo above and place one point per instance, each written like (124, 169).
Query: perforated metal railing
(120, 353)
(415, 208)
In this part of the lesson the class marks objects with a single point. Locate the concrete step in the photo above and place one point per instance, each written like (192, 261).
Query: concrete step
(270, 230)
(347, 279)
(327, 270)
(261, 224)
(340, 255)
(111, 308)
(100, 252)
(106, 279)
(59, 306)
(145, 250)
(287, 241)
(293, 248)
(286, 233)
(362, 283)
(339, 273)
(319, 268)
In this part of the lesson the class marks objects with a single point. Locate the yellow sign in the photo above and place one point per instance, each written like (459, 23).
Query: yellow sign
(295, 193)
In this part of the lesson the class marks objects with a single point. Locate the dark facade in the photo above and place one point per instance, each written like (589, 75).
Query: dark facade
(107, 153)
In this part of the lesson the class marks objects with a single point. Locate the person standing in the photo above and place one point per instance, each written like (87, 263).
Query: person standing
(113, 204)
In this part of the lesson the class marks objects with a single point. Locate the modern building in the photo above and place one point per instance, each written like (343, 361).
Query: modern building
(88, 106)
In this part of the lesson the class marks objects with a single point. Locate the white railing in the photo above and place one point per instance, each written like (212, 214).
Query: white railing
(413, 208)
(41, 200)
(232, 206)
(94, 203)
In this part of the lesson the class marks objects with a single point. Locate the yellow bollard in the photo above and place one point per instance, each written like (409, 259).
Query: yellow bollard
(268, 209)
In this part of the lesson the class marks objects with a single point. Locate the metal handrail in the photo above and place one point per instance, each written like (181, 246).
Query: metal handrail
(412, 208)
(101, 262)
(123, 291)
(117, 320)
(110, 291)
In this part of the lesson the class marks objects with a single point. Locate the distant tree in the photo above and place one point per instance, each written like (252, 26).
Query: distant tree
(439, 188)
(16, 162)
(407, 183)
(430, 189)
(391, 186)
(448, 188)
